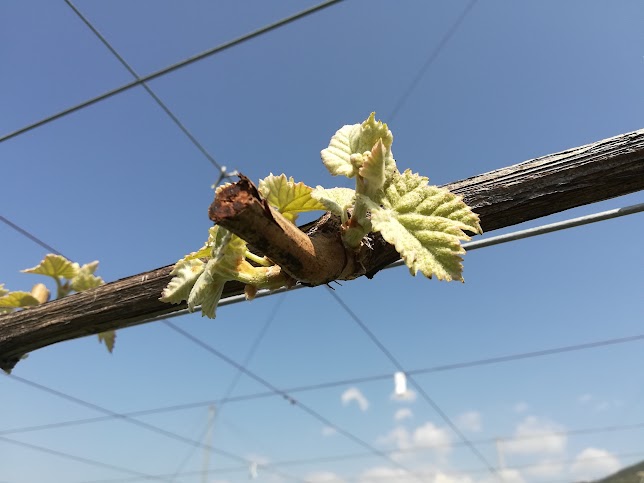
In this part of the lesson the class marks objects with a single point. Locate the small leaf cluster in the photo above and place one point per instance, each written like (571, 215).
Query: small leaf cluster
(68, 276)
(425, 224)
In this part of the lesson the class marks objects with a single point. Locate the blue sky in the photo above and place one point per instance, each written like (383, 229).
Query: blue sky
(118, 182)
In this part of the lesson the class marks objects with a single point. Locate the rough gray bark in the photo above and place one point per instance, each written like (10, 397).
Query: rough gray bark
(505, 197)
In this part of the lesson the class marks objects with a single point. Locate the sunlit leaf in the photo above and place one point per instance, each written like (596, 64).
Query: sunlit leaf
(207, 291)
(287, 196)
(55, 266)
(18, 299)
(186, 273)
(350, 147)
(85, 278)
(335, 200)
(40, 292)
(425, 224)
(108, 338)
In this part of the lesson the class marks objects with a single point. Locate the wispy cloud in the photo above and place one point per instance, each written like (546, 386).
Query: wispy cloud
(408, 396)
(533, 435)
(521, 407)
(354, 394)
(328, 431)
(470, 421)
(402, 414)
(323, 477)
(594, 463)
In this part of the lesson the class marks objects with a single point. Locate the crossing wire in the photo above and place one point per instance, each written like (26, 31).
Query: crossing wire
(433, 55)
(29, 235)
(87, 461)
(144, 425)
(233, 383)
(288, 398)
(171, 68)
(443, 415)
(339, 383)
(156, 98)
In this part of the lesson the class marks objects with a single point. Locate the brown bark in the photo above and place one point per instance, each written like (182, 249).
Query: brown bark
(505, 197)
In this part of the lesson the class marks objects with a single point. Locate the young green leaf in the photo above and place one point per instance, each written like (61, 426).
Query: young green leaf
(425, 224)
(55, 266)
(40, 292)
(108, 338)
(18, 299)
(335, 200)
(207, 290)
(186, 273)
(85, 278)
(351, 144)
(288, 197)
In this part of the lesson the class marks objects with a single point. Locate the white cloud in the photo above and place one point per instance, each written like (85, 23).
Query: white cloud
(429, 435)
(402, 414)
(546, 469)
(443, 478)
(398, 437)
(408, 396)
(536, 436)
(521, 407)
(328, 431)
(323, 477)
(354, 394)
(506, 476)
(425, 436)
(585, 398)
(469, 421)
(378, 474)
(594, 463)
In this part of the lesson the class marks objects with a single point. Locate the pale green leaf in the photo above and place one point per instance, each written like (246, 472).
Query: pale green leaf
(287, 196)
(55, 266)
(108, 338)
(186, 273)
(337, 157)
(40, 292)
(425, 224)
(85, 278)
(207, 291)
(18, 299)
(6, 310)
(335, 200)
(3, 291)
(373, 172)
(350, 148)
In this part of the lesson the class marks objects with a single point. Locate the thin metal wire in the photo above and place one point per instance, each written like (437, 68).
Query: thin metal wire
(433, 55)
(87, 461)
(429, 400)
(341, 382)
(141, 424)
(474, 245)
(29, 235)
(156, 98)
(331, 459)
(173, 67)
(288, 398)
(233, 384)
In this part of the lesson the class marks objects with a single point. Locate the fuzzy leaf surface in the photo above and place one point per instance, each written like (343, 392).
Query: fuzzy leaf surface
(55, 266)
(85, 278)
(425, 224)
(18, 299)
(186, 273)
(350, 146)
(108, 338)
(287, 196)
(335, 200)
